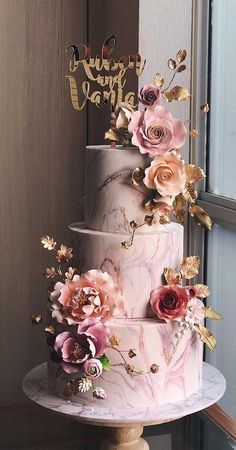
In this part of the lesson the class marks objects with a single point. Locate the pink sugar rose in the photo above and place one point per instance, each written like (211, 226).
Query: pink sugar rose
(90, 342)
(93, 294)
(155, 131)
(149, 95)
(166, 174)
(92, 368)
(191, 291)
(169, 302)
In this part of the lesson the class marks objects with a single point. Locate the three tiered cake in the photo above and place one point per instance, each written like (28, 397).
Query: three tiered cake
(128, 326)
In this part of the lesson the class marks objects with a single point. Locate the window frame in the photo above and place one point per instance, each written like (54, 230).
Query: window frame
(221, 209)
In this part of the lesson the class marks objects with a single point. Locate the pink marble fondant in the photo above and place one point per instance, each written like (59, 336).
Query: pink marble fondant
(179, 372)
(111, 201)
(138, 270)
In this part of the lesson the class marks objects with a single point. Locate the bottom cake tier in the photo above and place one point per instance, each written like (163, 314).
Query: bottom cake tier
(151, 366)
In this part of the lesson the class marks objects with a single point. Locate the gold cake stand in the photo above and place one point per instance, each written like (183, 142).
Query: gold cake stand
(124, 427)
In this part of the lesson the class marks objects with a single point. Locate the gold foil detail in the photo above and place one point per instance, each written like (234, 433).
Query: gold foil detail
(206, 336)
(36, 319)
(158, 80)
(210, 313)
(204, 108)
(202, 290)
(200, 216)
(137, 176)
(194, 173)
(189, 267)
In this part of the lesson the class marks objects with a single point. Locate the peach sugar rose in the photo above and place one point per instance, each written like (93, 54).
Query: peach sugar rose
(166, 174)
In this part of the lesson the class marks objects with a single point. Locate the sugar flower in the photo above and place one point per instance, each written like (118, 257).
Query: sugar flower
(166, 174)
(90, 341)
(169, 302)
(156, 131)
(93, 294)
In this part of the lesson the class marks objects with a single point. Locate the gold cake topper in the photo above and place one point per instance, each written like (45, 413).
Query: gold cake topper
(105, 76)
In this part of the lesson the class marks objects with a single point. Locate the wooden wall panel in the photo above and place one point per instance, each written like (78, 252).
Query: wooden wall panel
(41, 169)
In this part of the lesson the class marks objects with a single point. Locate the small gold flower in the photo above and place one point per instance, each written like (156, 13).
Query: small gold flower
(114, 341)
(48, 242)
(69, 275)
(50, 272)
(64, 254)
(131, 353)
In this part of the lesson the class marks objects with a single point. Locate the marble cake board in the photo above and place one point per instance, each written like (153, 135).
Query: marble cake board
(126, 426)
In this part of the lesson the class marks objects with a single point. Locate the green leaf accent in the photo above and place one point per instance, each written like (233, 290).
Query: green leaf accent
(105, 362)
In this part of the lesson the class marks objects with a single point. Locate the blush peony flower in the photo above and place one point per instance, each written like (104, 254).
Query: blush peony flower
(155, 131)
(149, 95)
(74, 350)
(90, 342)
(99, 332)
(92, 368)
(166, 174)
(92, 294)
(169, 302)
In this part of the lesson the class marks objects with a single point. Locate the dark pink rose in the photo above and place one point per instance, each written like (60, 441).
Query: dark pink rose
(92, 368)
(91, 341)
(155, 131)
(169, 302)
(149, 95)
(191, 291)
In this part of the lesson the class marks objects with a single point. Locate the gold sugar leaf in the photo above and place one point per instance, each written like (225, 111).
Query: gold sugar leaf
(181, 68)
(204, 108)
(210, 313)
(158, 80)
(137, 176)
(206, 336)
(181, 55)
(172, 276)
(194, 173)
(189, 267)
(114, 341)
(190, 192)
(194, 132)
(149, 219)
(36, 319)
(200, 216)
(50, 329)
(131, 353)
(164, 219)
(178, 208)
(111, 135)
(171, 63)
(180, 93)
(168, 97)
(202, 290)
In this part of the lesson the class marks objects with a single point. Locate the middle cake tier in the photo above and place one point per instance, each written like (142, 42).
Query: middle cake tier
(137, 270)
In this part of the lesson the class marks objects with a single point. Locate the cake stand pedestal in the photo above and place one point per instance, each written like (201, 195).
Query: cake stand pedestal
(125, 426)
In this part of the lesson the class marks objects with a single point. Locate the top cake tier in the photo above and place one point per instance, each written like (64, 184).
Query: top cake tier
(111, 200)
